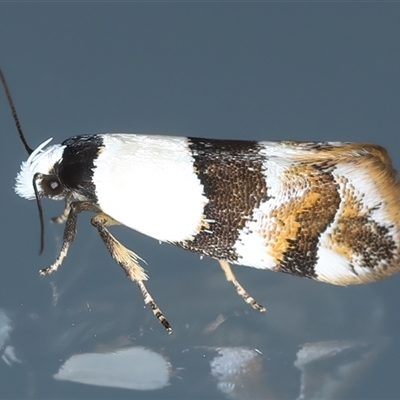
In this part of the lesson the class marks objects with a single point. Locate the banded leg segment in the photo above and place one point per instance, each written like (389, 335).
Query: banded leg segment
(129, 261)
(64, 215)
(69, 231)
(230, 277)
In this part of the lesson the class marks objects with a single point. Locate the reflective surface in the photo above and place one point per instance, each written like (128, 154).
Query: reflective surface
(246, 71)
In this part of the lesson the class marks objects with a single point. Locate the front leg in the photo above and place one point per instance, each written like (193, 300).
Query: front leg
(69, 232)
(129, 261)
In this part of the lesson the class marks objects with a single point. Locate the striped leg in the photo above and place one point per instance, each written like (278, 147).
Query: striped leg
(71, 212)
(230, 277)
(129, 261)
(64, 215)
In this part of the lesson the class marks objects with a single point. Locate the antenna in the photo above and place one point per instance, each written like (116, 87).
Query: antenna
(29, 150)
(14, 113)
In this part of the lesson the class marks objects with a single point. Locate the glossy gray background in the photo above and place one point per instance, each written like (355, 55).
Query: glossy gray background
(263, 71)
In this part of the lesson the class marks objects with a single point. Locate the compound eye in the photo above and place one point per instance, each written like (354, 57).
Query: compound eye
(51, 185)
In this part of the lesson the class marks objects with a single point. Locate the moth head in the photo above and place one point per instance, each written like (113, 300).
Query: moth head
(38, 175)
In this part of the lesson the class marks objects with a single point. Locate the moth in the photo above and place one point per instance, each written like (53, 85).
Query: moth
(328, 211)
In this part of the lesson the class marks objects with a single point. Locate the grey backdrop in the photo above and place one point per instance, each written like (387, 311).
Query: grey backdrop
(263, 71)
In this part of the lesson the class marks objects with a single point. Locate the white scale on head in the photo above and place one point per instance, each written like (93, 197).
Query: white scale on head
(40, 161)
